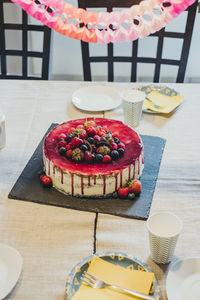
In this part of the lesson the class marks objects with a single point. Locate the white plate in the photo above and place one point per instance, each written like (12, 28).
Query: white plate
(10, 269)
(183, 280)
(96, 98)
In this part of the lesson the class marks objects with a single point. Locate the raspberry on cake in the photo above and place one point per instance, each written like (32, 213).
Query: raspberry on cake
(93, 157)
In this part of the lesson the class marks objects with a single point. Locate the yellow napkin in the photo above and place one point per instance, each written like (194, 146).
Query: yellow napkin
(167, 103)
(140, 281)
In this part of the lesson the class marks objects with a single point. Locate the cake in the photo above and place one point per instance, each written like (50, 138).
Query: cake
(92, 157)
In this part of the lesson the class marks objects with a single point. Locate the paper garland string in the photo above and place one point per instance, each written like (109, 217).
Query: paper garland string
(104, 27)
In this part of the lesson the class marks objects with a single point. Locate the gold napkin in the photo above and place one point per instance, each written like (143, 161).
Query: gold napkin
(167, 103)
(140, 281)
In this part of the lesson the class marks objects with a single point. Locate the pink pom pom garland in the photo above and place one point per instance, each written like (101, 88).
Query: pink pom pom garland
(104, 27)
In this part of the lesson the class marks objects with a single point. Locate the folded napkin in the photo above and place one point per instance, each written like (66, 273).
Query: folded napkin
(167, 103)
(140, 281)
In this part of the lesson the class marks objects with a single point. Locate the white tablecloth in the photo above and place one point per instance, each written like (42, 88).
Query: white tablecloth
(51, 239)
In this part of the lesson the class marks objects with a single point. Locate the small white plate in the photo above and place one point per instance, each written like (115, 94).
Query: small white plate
(96, 98)
(183, 280)
(10, 269)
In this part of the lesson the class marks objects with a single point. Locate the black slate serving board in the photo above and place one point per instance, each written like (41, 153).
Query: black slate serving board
(29, 188)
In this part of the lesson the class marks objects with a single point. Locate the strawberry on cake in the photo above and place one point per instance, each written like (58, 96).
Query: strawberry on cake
(92, 157)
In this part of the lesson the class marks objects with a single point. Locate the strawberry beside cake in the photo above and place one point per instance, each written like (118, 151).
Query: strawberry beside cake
(93, 157)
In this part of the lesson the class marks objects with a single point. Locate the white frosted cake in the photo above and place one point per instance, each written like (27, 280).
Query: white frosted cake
(93, 157)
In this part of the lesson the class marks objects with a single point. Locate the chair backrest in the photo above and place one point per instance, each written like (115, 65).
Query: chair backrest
(135, 59)
(24, 55)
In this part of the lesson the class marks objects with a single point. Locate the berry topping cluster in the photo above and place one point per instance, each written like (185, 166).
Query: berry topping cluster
(130, 190)
(90, 143)
(46, 180)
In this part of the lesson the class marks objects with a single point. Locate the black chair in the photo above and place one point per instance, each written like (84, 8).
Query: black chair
(134, 59)
(25, 54)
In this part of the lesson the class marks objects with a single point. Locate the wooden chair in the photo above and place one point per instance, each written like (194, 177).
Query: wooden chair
(134, 59)
(25, 54)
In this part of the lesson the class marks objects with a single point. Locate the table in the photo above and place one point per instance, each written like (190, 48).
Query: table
(52, 239)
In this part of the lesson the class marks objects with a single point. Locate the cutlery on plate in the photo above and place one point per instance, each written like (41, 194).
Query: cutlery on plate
(97, 283)
(154, 104)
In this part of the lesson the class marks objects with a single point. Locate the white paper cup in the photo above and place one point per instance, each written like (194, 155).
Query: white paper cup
(132, 102)
(164, 229)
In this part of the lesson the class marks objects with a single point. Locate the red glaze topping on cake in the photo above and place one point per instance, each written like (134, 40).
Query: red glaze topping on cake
(129, 139)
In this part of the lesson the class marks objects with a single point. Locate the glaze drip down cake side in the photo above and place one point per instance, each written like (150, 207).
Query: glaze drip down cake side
(93, 157)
